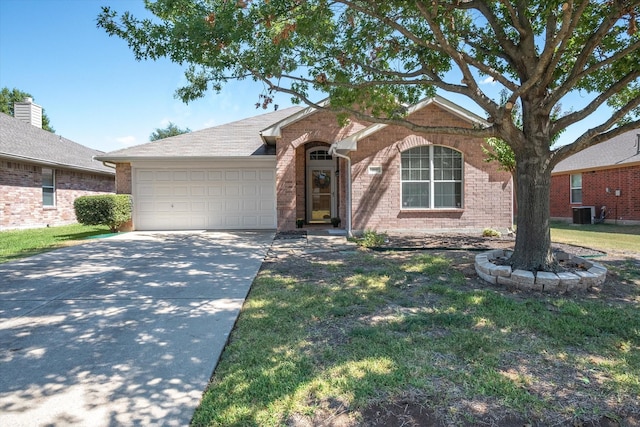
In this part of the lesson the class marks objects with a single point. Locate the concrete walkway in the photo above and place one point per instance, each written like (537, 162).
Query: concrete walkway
(120, 331)
(311, 242)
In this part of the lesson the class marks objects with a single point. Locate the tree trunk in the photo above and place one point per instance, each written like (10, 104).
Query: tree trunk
(533, 238)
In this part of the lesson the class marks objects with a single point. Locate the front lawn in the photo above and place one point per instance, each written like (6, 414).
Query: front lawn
(606, 236)
(414, 338)
(21, 243)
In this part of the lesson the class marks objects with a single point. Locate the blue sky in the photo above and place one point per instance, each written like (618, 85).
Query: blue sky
(95, 92)
(91, 87)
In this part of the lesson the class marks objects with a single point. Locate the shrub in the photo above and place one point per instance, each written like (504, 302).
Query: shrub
(371, 239)
(490, 232)
(111, 210)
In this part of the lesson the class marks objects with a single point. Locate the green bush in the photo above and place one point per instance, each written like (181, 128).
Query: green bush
(111, 210)
(371, 239)
(490, 232)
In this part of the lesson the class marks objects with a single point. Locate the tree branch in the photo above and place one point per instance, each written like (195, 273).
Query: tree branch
(582, 58)
(572, 118)
(570, 83)
(474, 132)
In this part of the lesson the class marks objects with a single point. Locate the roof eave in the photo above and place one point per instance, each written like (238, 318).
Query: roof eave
(54, 164)
(583, 169)
(129, 159)
(272, 133)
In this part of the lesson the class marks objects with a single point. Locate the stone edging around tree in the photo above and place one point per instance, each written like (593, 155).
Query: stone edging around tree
(590, 274)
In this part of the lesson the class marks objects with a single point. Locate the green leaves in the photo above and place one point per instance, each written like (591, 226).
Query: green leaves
(374, 57)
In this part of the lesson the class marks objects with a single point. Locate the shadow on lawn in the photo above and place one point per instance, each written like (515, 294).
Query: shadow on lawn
(326, 337)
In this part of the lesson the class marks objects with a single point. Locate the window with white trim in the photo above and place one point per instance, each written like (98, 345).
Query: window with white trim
(431, 178)
(576, 188)
(48, 187)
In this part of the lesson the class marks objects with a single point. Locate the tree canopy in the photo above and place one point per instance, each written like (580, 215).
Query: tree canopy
(373, 58)
(10, 96)
(170, 130)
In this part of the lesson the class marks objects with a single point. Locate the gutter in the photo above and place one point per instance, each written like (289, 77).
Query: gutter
(107, 164)
(27, 159)
(333, 151)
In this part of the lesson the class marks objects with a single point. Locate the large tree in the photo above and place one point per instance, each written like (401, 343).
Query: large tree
(372, 58)
(171, 130)
(8, 97)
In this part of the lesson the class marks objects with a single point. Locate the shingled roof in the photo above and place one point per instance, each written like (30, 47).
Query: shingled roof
(237, 139)
(24, 142)
(619, 151)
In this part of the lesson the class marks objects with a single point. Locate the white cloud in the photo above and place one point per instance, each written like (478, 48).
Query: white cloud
(488, 80)
(126, 140)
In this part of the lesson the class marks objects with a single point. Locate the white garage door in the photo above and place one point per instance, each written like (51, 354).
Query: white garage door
(204, 198)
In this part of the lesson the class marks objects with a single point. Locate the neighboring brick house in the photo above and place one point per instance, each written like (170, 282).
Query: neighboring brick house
(274, 170)
(41, 174)
(607, 174)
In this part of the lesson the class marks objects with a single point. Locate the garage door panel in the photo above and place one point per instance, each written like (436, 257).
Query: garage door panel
(232, 190)
(163, 176)
(249, 205)
(266, 191)
(250, 190)
(145, 190)
(232, 222)
(163, 191)
(232, 207)
(202, 198)
(249, 175)
(198, 190)
(214, 175)
(215, 190)
(181, 190)
(216, 206)
(232, 175)
(267, 205)
(146, 176)
(197, 176)
(146, 206)
(198, 207)
(249, 221)
(267, 175)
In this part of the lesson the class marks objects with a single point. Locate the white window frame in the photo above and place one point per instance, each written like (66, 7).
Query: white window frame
(51, 187)
(573, 188)
(432, 181)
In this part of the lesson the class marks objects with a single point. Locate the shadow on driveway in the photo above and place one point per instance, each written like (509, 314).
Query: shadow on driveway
(121, 331)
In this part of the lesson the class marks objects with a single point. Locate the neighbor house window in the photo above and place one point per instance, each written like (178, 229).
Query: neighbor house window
(576, 188)
(431, 178)
(48, 187)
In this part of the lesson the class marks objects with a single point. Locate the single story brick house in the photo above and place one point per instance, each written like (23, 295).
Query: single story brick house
(41, 174)
(299, 165)
(607, 174)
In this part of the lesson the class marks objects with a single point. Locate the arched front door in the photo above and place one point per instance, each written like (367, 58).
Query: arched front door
(321, 186)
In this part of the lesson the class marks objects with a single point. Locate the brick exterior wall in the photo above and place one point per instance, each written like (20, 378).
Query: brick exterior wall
(376, 199)
(21, 194)
(320, 128)
(123, 178)
(623, 209)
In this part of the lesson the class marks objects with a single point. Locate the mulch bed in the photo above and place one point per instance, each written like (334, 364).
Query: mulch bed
(469, 242)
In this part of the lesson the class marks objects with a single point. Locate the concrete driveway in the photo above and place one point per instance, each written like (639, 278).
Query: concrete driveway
(120, 331)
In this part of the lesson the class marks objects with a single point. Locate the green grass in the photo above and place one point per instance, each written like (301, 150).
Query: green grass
(16, 244)
(598, 236)
(387, 325)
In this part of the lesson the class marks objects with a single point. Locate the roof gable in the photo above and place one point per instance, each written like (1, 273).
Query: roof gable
(619, 151)
(351, 142)
(25, 142)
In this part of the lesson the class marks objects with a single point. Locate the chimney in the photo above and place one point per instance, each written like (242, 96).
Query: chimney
(28, 112)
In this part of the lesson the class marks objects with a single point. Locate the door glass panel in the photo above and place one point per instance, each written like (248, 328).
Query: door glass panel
(321, 195)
